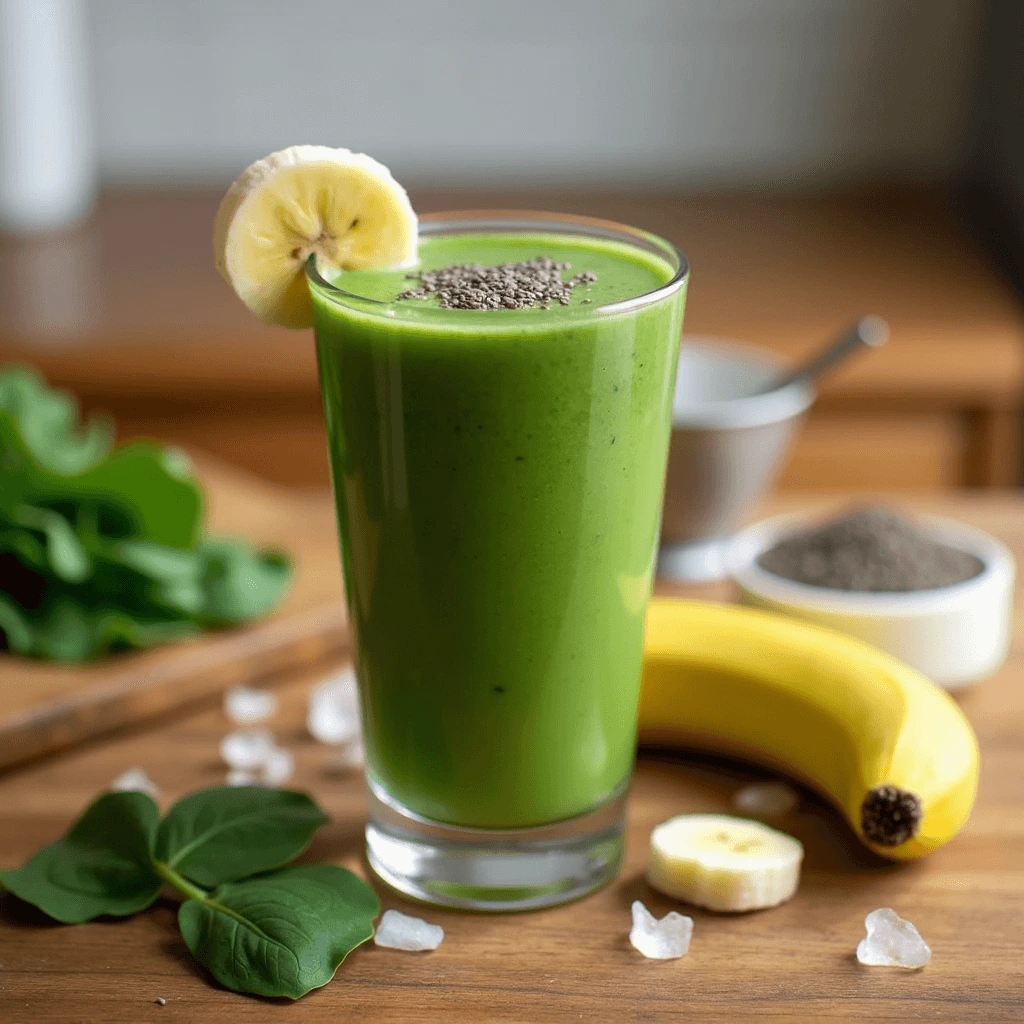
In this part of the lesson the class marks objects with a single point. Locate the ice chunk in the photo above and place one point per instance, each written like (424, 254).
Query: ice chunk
(278, 767)
(891, 942)
(765, 799)
(349, 757)
(247, 749)
(241, 777)
(334, 710)
(666, 939)
(136, 780)
(399, 931)
(245, 705)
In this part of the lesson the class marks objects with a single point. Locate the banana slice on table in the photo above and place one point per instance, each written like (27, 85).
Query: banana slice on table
(724, 863)
(345, 207)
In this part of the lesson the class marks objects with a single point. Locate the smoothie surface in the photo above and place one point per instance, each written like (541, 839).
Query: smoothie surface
(623, 272)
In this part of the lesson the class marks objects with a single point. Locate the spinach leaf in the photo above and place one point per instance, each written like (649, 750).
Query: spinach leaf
(102, 866)
(140, 485)
(145, 483)
(15, 627)
(64, 632)
(29, 549)
(240, 583)
(171, 578)
(102, 549)
(281, 934)
(227, 833)
(64, 551)
(115, 630)
(46, 419)
(68, 629)
(157, 561)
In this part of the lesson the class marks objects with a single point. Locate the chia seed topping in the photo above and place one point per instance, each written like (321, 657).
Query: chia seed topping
(536, 282)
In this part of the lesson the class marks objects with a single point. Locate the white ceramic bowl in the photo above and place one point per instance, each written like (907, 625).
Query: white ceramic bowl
(955, 635)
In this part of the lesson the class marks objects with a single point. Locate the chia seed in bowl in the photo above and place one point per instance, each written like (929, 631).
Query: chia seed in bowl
(870, 549)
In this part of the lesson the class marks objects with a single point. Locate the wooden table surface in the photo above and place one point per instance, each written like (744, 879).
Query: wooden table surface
(793, 963)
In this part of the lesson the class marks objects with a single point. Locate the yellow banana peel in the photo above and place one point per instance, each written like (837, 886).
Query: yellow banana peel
(888, 747)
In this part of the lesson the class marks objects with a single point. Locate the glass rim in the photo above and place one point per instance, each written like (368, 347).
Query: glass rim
(490, 220)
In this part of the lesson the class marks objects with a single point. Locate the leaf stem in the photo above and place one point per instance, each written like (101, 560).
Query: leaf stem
(193, 892)
(179, 882)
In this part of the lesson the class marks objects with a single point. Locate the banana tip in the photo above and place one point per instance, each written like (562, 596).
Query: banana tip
(890, 816)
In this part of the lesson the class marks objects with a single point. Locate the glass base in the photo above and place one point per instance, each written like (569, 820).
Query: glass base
(493, 869)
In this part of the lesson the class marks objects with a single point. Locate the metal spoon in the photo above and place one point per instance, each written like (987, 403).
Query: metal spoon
(867, 332)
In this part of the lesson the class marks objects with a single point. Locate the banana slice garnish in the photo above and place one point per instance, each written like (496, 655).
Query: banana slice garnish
(345, 207)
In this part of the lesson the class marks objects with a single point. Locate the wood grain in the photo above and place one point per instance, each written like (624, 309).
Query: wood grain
(791, 964)
(45, 707)
(883, 450)
(158, 338)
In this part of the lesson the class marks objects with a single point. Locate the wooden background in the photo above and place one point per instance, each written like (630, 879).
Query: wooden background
(793, 964)
(130, 313)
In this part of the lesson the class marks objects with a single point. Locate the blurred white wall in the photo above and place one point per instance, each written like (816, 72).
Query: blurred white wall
(689, 92)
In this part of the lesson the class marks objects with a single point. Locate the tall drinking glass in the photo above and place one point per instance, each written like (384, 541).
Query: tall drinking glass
(498, 476)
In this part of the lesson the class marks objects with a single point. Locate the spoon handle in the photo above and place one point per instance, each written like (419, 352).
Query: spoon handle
(868, 331)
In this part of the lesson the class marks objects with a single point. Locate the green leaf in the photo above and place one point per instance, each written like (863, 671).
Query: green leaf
(102, 550)
(64, 551)
(115, 630)
(15, 627)
(70, 630)
(158, 561)
(141, 481)
(173, 576)
(44, 460)
(241, 583)
(226, 833)
(63, 632)
(46, 419)
(102, 866)
(25, 546)
(281, 934)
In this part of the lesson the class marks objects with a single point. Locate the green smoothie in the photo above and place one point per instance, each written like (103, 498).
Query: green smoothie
(499, 477)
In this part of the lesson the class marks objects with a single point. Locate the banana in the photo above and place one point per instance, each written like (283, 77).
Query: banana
(343, 207)
(889, 748)
(724, 863)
